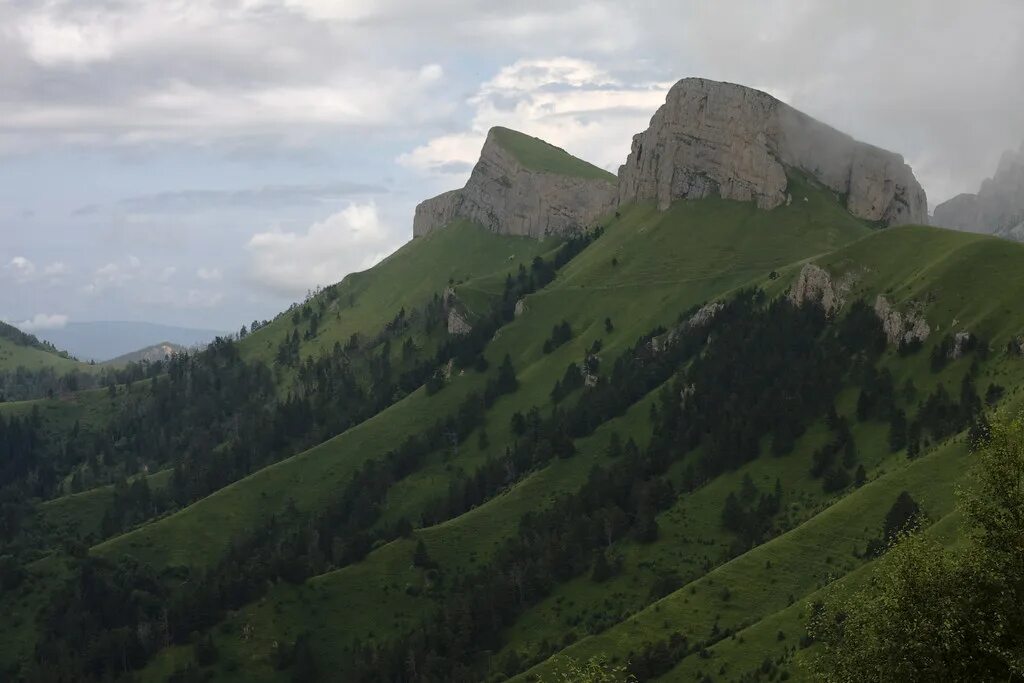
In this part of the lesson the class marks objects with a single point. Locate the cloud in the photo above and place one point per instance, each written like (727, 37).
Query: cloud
(21, 269)
(266, 197)
(291, 263)
(114, 275)
(42, 321)
(209, 274)
(572, 103)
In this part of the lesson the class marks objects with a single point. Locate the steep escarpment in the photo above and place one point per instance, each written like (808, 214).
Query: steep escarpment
(712, 138)
(523, 186)
(997, 208)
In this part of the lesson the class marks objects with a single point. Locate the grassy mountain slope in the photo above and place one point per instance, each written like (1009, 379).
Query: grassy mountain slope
(644, 272)
(690, 237)
(364, 302)
(537, 155)
(646, 269)
(18, 349)
(959, 278)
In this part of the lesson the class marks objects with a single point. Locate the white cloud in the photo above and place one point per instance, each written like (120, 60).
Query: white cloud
(21, 269)
(42, 321)
(292, 263)
(209, 274)
(51, 42)
(568, 102)
(114, 275)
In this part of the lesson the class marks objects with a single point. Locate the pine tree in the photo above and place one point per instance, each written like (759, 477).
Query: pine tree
(420, 557)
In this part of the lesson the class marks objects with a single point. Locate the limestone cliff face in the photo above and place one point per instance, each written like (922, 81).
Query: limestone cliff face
(997, 208)
(507, 197)
(712, 138)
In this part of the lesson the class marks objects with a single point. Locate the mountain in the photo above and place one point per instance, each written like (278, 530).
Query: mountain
(997, 208)
(523, 186)
(708, 139)
(727, 140)
(150, 354)
(104, 340)
(663, 438)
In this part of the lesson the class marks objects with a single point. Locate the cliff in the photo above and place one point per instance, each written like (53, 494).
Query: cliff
(997, 208)
(712, 138)
(523, 186)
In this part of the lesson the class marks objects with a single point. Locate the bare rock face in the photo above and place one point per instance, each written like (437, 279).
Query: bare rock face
(507, 197)
(457, 324)
(458, 320)
(814, 284)
(900, 328)
(712, 138)
(997, 208)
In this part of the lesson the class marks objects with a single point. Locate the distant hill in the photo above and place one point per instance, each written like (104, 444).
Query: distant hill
(19, 349)
(150, 354)
(105, 340)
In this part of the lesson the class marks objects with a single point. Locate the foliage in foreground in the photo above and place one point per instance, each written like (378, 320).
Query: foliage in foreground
(930, 614)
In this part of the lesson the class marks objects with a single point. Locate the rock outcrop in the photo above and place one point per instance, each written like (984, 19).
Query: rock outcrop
(814, 284)
(712, 138)
(509, 197)
(457, 318)
(901, 328)
(997, 208)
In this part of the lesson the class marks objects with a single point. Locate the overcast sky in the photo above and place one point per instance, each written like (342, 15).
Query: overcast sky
(205, 162)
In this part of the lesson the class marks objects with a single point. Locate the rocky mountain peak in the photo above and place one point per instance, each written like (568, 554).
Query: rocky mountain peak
(997, 208)
(522, 185)
(712, 138)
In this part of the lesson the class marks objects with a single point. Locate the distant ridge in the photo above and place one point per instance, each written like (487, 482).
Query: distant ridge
(106, 340)
(150, 354)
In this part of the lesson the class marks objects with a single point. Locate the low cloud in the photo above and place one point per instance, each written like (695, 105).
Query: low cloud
(209, 274)
(114, 275)
(41, 322)
(266, 197)
(291, 263)
(572, 103)
(22, 270)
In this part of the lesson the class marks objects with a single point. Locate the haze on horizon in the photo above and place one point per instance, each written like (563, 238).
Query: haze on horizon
(205, 163)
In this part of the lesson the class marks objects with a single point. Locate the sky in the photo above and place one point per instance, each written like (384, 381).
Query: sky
(207, 162)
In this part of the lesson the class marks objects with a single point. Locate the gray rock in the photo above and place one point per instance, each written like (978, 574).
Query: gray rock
(814, 284)
(457, 323)
(961, 340)
(712, 138)
(506, 197)
(900, 328)
(997, 208)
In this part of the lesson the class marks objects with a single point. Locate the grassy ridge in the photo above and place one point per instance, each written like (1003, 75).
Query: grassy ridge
(14, 355)
(537, 155)
(366, 301)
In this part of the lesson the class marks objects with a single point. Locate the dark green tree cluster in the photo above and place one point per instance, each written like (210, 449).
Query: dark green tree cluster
(748, 513)
(560, 334)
